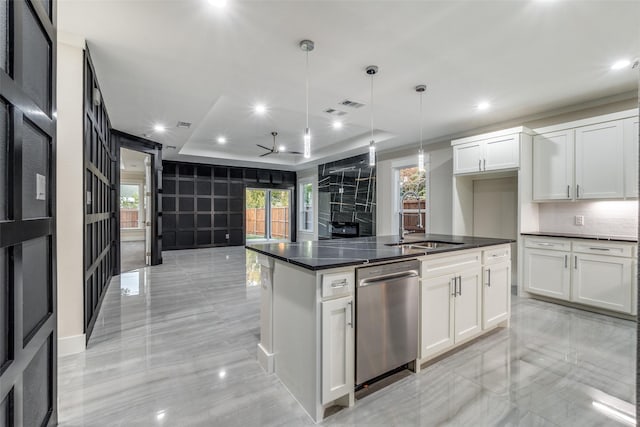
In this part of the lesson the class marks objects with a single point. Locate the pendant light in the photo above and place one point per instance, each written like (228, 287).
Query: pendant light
(307, 46)
(420, 89)
(372, 70)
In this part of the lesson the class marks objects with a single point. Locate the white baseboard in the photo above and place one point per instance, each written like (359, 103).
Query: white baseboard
(71, 345)
(265, 359)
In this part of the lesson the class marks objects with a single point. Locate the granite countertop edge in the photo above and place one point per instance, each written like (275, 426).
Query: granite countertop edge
(373, 244)
(626, 239)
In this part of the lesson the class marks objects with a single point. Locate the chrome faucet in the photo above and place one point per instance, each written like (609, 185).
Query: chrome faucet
(401, 229)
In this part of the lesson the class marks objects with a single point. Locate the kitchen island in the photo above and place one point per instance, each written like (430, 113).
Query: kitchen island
(307, 318)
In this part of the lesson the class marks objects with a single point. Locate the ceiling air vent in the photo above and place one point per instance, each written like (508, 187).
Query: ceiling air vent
(352, 104)
(334, 112)
(183, 125)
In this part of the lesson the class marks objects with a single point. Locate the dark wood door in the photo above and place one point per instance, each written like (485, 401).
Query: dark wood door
(27, 206)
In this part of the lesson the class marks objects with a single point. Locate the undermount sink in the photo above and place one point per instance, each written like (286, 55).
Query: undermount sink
(425, 245)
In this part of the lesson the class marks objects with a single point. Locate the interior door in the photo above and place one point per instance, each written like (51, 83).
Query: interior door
(147, 210)
(27, 207)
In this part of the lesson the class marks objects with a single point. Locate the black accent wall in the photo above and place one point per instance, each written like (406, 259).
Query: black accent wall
(203, 205)
(347, 193)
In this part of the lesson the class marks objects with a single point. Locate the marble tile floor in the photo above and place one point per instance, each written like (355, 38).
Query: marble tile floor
(132, 255)
(175, 345)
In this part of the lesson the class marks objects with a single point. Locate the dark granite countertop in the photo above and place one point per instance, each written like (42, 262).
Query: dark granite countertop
(631, 239)
(324, 254)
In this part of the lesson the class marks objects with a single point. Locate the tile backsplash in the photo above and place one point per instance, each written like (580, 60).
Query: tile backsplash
(610, 218)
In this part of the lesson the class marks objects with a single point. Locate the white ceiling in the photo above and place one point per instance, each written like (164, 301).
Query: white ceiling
(171, 60)
(132, 161)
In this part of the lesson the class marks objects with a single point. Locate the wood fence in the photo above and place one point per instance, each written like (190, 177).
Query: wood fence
(129, 218)
(411, 219)
(256, 224)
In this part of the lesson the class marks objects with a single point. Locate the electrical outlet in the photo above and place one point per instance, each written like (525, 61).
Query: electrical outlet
(579, 219)
(226, 236)
(340, 190)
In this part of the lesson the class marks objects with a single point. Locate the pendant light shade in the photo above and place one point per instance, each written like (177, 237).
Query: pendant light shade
(421, 89)
(372, 70)
(307, 46)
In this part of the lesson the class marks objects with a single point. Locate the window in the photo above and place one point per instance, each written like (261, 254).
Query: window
(130, 207)
(411, 195)
(306, 207)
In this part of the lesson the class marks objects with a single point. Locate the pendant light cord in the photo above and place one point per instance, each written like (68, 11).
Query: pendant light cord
(372, 107)
(307, 87)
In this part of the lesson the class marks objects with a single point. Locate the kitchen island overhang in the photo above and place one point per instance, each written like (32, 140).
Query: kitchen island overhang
(308, 295)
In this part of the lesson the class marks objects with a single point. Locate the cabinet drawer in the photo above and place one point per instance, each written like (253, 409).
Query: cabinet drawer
(337, 284)
(438, 265)
(547, 243)
(496, 255)
(598, 247)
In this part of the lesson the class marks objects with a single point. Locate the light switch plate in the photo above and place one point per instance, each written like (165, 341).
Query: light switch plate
(579, 219)
(226, 236)
(41, 187)
(340, 190)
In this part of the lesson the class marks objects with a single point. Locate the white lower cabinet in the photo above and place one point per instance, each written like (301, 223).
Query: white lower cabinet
(468, 305)
(455, 306)
(496, 294)
(603, 281)
(547, 272)
(592, 272)
(337, 348)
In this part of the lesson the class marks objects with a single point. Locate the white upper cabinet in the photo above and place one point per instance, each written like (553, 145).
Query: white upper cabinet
(553, 166)
(599, 161)
(488, 152)
(630, 131)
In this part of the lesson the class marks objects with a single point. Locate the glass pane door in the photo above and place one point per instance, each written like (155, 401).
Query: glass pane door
(268, 215)
(256, 223)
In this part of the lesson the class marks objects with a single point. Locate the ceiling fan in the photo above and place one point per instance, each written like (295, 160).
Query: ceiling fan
(274, 149)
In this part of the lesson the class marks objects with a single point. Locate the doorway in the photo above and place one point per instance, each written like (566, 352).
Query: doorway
(268, 215)
(135, 210)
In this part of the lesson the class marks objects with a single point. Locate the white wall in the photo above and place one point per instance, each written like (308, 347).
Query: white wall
(610, 218)
(439, 170)
(307, 175)
(69, 191)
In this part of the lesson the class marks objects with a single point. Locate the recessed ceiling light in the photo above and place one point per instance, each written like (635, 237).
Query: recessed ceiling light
(260, 108)
(221, 140)
(159, 128)
(218, 3)
(282, 148)
(618, 65)
(484, 105)
(337, 124)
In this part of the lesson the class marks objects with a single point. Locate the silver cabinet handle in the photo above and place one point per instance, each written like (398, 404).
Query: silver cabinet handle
(600, 249)
(452, 283)
(484, 164)
(545, 244)
(489, 278)
(578, 191)
(568, 191)
(339, 283)
(350, 317)
(566, 257)
(480, 164)
(575, 262)
(459, 285)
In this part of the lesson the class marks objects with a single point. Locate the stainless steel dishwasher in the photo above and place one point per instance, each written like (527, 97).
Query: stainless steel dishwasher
(387, 317)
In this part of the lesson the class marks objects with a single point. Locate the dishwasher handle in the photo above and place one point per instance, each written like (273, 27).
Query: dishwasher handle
(387, 278)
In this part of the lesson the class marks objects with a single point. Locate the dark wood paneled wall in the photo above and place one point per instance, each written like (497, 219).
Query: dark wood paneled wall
(203, 205)
(27, 207)
(100, 227)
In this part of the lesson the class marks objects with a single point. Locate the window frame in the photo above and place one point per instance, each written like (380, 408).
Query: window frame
(405, 163)
(141, 203)
(301, 206)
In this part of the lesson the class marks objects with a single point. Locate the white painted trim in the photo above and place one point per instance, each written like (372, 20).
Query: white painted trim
(71, 345)
(589, 121)
(503, 132)
(265, 359)
(71, 39)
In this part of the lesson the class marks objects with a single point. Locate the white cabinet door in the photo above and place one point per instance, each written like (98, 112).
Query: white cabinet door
(468, 305)
(599, 162)
(630, 130)
(467, 158)
(547, 273)
(338, 355)
(436, 317)
(501, 153)
(553, 166)
(603, 281)
(496, 294)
